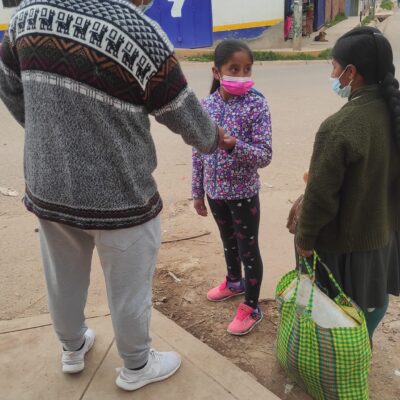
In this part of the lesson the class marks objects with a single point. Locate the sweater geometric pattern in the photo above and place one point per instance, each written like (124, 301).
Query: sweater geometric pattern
(106, 26)
(82, 77)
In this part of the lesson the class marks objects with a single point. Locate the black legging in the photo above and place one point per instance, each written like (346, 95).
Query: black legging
(238, 222)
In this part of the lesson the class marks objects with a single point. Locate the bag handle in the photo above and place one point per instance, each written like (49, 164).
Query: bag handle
(312, 274)
(341, 293)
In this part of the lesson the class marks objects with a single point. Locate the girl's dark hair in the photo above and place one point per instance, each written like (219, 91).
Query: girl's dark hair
(371, 53)
(223, 52)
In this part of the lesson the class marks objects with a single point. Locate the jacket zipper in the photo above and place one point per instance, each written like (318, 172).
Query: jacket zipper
(217, 151)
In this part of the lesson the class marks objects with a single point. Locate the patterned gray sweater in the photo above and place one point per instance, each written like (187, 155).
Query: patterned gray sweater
(82, 76)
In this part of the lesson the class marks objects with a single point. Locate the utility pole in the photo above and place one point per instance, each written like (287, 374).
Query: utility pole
(298, 24)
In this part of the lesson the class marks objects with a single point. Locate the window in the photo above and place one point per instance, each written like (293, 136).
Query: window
(10, 3)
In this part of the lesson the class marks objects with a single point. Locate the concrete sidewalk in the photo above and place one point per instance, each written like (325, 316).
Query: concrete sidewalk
(30, 366)
(332, 35)
(309, 45)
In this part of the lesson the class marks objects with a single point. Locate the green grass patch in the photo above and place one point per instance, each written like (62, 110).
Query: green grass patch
(272, 56)
(276, 56)
(325, 55)
(339, 18)
(387, 5)
(367, 20)
(202, 57)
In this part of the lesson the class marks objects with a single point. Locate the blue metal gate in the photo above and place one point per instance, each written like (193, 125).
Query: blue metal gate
(319, 12)
(352, 8)
(188, 23)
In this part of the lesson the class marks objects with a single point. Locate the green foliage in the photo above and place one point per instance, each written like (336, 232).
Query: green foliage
(387, 5)
(339, 18)
(366, 20)
(272, 56)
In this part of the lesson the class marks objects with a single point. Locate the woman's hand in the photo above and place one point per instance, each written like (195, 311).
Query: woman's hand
(200, 207)
(304, 253)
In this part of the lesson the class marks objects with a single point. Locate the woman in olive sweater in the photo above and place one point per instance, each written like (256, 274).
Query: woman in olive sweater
(351, 206)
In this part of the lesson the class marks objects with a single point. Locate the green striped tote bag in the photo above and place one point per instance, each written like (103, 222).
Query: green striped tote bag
(329, 363)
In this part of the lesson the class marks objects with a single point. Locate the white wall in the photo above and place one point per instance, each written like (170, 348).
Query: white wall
(225, 12)
(232, 12)
(5, 14)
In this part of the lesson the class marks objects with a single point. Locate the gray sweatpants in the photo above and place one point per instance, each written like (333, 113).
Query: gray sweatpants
(128, 258)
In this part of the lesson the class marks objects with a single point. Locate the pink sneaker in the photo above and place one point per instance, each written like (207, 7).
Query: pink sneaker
(245, 320)
(226, 290)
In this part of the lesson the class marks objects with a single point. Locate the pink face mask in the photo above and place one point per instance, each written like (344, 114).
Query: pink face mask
(236, 85)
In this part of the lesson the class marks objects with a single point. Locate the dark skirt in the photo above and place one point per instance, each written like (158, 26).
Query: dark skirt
(367, 277)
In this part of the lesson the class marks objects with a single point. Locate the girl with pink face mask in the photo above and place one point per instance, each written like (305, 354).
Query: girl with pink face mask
(229, 178)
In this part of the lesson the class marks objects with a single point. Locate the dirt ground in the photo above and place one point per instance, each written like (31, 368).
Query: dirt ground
(188, 268)
(179, 293)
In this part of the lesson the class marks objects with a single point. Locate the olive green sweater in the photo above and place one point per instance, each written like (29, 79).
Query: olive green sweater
(352, 199)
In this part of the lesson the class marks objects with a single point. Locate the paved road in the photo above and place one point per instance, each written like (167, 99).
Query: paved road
(392, 32)
(300, 98)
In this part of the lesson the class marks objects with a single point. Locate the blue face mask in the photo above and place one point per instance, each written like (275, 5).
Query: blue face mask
(146, 7)
(336, 86)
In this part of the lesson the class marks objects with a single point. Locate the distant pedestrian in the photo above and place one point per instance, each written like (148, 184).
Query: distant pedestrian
(288, 25)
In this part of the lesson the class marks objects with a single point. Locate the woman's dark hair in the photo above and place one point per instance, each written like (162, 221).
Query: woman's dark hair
(223, 52)
(371, 53)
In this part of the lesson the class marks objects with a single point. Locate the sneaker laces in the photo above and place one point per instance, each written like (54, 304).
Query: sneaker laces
(155, 354)
(223, 285)
(243, 312)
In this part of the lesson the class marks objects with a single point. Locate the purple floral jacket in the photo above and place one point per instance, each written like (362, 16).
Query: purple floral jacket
(232, 175)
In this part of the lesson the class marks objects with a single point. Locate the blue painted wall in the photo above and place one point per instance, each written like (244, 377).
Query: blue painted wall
(347, 8)
(250, 33)
(193, 29)
(319, 10)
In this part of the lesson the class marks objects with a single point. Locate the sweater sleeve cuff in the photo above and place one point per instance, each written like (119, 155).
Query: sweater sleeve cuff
(198, 196)
(305, 243)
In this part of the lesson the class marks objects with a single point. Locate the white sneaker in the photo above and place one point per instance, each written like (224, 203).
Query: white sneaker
(159, 367)
(74, 361)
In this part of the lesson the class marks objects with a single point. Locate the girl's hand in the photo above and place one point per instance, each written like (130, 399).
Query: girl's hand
(304, 253)
(229, 143)
(200, 207)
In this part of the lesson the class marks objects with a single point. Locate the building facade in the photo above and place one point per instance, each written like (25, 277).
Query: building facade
(201, 23)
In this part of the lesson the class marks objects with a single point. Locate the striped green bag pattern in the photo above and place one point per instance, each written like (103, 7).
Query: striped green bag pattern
(330, 364)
